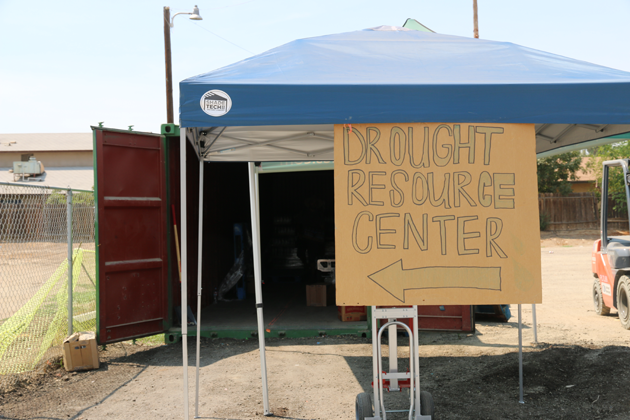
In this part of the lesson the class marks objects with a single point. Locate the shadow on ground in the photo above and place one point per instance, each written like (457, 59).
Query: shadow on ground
(560, 382)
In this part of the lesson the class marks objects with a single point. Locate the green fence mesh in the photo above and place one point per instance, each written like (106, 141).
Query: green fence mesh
(34, 276)
(42, 323)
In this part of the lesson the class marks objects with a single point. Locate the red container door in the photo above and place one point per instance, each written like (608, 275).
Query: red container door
(442, 318)
(446, 318)
(132, 263)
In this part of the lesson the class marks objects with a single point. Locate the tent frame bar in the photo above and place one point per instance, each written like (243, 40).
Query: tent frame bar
(255, 215)
(271, 143)
(207, 147)
(199, 279)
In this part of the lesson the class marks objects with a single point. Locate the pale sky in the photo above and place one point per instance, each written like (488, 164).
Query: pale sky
(66, 65)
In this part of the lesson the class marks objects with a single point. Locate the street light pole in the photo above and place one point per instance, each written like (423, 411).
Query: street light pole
(168, 24)
(475, 19)
(167, 56)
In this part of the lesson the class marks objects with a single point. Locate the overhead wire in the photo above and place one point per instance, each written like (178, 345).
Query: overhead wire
(226, 40)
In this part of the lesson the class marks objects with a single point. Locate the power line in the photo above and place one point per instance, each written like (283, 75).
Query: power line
(226, 40)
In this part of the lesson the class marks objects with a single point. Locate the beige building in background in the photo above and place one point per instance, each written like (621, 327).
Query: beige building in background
(67, 158)
(586, 180)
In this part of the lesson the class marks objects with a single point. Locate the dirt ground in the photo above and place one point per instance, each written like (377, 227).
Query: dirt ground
(577, 370)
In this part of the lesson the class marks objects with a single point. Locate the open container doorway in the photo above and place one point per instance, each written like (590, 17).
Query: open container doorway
(297, 230)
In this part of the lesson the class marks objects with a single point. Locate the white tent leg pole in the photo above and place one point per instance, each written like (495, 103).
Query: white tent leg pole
(199, 260)
(520, 357)
(376, 365)
(535, 324)
(253, 199)
(416, 361)
(184, 263)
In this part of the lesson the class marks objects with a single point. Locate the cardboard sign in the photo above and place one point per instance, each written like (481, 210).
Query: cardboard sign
(436, 214)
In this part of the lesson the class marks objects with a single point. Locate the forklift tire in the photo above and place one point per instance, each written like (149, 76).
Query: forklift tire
(426, 404)
(623, 300)
(598, 300)
(363, 406)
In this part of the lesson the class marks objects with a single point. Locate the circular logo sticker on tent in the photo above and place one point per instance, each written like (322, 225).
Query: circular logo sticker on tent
(216, 103)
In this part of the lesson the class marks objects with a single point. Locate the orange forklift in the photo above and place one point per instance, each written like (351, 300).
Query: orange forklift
(611, 256)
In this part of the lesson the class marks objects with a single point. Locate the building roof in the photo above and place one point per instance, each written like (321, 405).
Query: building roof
(45, 142)
(81, 178)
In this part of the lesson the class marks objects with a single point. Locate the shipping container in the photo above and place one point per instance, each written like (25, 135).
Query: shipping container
(137, 189)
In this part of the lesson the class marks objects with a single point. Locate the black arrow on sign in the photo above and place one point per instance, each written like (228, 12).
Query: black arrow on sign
(396, 280)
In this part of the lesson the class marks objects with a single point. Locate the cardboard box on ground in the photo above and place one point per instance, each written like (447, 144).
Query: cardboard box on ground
(352, 313)
(80, 352)
(320, 294)
(324, 295)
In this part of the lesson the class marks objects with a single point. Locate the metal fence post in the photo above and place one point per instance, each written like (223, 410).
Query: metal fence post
(69, 208)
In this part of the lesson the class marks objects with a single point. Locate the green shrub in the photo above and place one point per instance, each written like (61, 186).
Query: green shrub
(544, 221)
(59, 197)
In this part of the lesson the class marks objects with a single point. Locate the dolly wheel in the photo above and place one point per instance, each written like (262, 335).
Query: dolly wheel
(363, 406)
(426, 404)
(598, 300)
(623, 300)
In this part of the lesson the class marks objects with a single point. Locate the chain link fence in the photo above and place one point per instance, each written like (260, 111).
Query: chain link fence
(36, 240)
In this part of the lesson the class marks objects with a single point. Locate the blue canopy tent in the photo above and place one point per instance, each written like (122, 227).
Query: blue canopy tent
(281, 105)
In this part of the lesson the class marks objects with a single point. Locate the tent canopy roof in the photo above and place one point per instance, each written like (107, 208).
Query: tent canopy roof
(396, 75)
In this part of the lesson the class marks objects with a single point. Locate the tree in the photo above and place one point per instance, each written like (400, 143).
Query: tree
(554, 172)
(616, 185)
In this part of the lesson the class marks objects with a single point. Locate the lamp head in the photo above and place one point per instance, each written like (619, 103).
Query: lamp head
(195, 14)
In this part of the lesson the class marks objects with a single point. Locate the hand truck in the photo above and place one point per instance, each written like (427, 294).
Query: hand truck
(421, 402)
